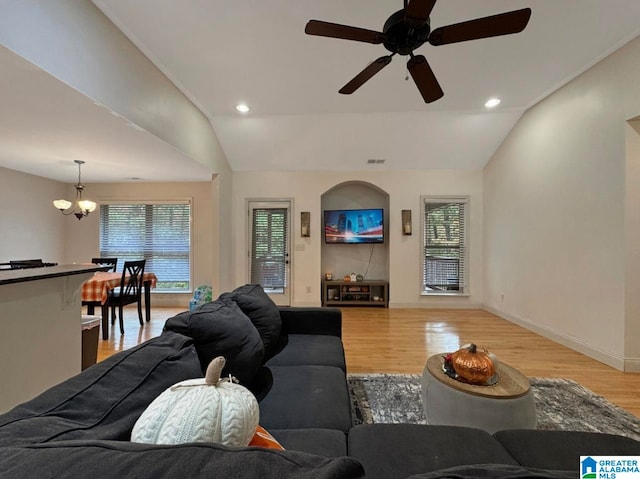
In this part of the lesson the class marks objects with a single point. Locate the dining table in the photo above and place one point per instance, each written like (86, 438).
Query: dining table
(95, 292)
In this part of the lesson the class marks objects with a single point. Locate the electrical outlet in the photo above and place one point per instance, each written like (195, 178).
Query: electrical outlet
(501, 296)
(308, 289)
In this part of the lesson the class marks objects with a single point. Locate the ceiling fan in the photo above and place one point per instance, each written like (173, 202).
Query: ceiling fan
(407, 30)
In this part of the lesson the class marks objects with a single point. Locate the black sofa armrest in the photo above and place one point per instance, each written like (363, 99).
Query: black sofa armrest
(312, 320)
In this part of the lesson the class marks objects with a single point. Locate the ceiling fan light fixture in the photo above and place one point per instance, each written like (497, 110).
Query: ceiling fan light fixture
(492, 102)
(243, 108)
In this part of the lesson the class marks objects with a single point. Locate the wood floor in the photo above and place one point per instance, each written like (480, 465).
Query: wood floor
(401, 340)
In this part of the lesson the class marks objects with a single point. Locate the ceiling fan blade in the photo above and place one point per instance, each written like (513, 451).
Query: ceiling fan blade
(493, 26)
(417, 12)
(424, 78)
(366, 74)
(335, 30)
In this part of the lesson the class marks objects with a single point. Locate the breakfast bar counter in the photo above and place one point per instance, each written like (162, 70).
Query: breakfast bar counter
(40, 316)
(57, 271)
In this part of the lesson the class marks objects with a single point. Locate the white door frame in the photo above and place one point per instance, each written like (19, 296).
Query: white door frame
(280, 297)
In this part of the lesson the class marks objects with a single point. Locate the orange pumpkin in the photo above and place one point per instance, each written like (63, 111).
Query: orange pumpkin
(475, 367)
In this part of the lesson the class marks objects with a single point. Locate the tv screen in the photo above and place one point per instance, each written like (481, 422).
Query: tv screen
(354, 226)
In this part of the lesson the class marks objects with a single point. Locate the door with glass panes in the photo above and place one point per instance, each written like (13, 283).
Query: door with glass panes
(269, 240)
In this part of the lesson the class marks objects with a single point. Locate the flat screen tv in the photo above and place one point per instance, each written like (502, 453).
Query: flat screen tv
(354, 226)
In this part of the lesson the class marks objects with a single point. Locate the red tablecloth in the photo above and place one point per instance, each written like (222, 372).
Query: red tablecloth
(97, 288)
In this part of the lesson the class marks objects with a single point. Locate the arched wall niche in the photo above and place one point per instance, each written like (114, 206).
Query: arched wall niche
(370, 260)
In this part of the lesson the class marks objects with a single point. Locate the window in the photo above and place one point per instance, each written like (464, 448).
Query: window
(269, 250)
(157, 232)
(444, 241)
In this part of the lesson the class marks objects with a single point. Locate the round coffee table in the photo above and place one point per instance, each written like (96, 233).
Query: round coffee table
(508, 404)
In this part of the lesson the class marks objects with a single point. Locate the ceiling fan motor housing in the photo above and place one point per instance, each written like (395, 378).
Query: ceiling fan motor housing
(402, 38)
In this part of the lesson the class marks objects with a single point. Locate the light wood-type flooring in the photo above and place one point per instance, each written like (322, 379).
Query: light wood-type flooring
(381, 340)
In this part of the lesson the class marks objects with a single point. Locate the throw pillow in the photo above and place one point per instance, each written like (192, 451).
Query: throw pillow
(220, 328)
(262, 438)
(262, 312)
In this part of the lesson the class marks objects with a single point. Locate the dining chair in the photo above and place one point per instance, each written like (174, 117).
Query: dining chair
(103, 261)
(114, 266)
(111, 261)
(129, 292)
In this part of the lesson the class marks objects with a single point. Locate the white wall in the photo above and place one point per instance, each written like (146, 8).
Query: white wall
(554, 212)
(370, 260)
(404, 189)
(75, 42)
(632, 248)
(30, 226)
(83, 241)
(222, 230)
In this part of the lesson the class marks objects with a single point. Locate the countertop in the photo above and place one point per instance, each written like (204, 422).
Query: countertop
(34, 274)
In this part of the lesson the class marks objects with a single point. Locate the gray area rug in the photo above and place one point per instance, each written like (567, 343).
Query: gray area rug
(560, 404)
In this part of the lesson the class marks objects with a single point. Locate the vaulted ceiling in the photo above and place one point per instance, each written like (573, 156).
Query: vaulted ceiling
(220, 53)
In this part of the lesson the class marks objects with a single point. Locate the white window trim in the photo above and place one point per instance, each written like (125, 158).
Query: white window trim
(446, 199)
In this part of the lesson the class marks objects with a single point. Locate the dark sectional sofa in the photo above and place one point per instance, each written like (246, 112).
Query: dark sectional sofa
(292, 359)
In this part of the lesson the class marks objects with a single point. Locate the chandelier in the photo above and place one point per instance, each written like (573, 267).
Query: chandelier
(82, 207)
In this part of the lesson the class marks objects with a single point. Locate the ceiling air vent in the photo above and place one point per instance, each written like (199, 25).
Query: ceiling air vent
(375, 162)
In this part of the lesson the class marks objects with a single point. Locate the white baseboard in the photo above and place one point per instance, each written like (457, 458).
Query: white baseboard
(632, 365)
(617, 362)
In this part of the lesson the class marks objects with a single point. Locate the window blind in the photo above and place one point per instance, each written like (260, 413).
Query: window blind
(444, 245)
(269, 247)
(159, 233)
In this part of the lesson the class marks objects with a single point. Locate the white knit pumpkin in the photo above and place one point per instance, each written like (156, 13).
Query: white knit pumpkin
(208, 409)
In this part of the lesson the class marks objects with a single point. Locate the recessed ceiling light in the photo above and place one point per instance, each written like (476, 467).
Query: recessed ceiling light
(242, 108)
(492, 102)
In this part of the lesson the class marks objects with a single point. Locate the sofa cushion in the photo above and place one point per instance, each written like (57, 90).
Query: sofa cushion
(306, 397)
(494, 471)
(310, 349)
(111, 459)
(324, 442)
(562, 449)
(262, 312)
(396, 451)
(105, 400)
(220, 328)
